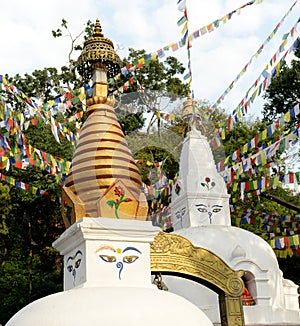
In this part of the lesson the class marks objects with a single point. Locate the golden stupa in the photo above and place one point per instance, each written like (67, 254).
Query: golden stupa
(104, 180)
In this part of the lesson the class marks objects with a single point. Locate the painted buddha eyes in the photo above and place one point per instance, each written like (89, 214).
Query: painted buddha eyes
(119, 256)
(113, 259)
(204, 209)
(76, 265)
(130, 259)
(108, 259)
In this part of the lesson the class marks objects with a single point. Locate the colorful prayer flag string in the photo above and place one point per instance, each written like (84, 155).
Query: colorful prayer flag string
(254, 56)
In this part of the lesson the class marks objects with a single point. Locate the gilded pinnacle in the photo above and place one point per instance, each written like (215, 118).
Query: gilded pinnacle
(98, 30)
(98, 50)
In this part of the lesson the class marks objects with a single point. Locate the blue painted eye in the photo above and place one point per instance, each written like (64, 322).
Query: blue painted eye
(130, 259)
(216, 210)
(108, 259)
(77, 263)
(70, 268)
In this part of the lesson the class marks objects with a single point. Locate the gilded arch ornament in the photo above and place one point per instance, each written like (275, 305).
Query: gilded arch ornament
(172, 253)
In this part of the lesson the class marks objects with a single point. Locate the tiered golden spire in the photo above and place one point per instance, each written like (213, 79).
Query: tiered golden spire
(104, 180)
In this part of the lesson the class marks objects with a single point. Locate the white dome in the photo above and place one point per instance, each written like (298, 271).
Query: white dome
(229, 243)
(111, 306)
(242, 250)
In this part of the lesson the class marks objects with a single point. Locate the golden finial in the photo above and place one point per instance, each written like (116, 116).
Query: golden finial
(187, 109)
(98, 29)
(97, 50)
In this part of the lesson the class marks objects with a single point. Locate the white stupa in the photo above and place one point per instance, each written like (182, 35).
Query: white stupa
(200, 213)
(106, 246)
(107, 281)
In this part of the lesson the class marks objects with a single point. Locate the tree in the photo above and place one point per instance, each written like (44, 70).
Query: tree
(284, 91)
(160, 82)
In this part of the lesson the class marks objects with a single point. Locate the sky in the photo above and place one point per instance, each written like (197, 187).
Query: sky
(217, 58)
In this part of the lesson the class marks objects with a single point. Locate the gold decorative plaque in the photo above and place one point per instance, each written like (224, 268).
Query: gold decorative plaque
(172, 253)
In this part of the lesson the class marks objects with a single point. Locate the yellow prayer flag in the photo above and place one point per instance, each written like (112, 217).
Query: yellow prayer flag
(296, 239)
(185, 27)
(263, 158)
(141, 60)
(81, 97)
(68, 165)
(277, 68)
(287, 116)
(154, 56)
(276, 180)
(223, 134)
(283, 44)
(255, 94)
(255, 184)
(224, 19)
(264, 134)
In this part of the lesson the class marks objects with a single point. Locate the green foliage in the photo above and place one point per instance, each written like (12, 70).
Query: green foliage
(148, 150)
(284, 91)
(40, 136)
(161, 85)
(158, 76)
(5, 201)
(14, 287)
(242, 132)
(130, 122)
(33, 223)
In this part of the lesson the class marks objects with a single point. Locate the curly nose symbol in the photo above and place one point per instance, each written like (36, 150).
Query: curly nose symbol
(120, 266)
(209, 216)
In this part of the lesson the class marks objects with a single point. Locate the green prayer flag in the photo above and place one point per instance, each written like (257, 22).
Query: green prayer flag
(181, 20)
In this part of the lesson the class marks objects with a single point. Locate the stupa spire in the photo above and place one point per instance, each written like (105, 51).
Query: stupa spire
(200, 196)
(190, 113)
(104, 180)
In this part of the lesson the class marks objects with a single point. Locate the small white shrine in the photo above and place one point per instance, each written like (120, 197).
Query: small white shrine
(200, 213)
